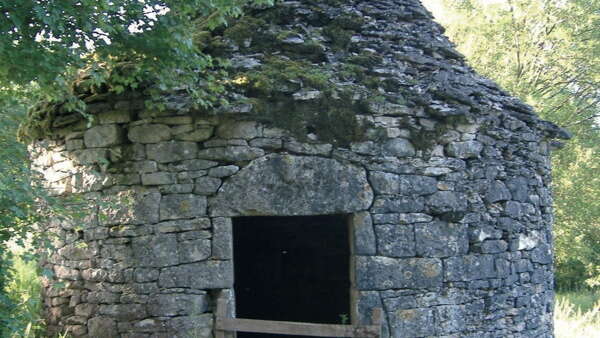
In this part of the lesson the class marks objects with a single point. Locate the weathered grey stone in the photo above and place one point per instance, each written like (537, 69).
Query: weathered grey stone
(182, 206)
(158, 178)
(497, 192)
(155, 251)
(413, 323)
(194, 250)
(143, 209)
(450, 319)
(441, 239)
(102, 327)
(223, 171)
(115, 116)
(149, 133)
(494, 246)
(398, 204)
(239, 129)
(364, 235)
(222, 243)
(142, 275)
(125, 312)
(381, 273)
(395, 240)
(267, 143)
(519, 188)
(91, 156)
(443, 202)
(399, 147)
(174, 304)
(200, 325)
(298, 186)
(308, 148)
(386, 183)
(202, 275)
(470, 267)
(207, 185)
(103, 136)
(232, 153)
(468, 149)
(171, 151)
(201, 133)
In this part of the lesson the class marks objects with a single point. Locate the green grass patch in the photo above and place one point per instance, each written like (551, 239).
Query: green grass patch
(577, 314)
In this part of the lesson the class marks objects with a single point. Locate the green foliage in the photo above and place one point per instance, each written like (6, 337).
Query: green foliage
(120, 44)
(547, 53)
(23, 291)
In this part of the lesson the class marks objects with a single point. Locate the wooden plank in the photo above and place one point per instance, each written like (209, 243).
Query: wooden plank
(221, 315)
(292, 328)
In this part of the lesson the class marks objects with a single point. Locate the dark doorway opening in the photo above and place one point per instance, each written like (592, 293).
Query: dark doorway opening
(292, 269)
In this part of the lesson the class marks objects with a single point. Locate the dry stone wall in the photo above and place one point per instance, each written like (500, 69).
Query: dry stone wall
(452, 240)
(445, 178)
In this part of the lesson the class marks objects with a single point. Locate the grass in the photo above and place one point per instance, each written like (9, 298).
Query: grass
(577, 314)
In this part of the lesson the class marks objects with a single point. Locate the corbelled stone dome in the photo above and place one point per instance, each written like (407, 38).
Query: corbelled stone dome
(355, 112)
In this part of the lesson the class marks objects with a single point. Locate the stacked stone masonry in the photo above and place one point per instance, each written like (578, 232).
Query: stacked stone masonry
(451, 239)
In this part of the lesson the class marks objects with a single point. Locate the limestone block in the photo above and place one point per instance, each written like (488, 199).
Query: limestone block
(149, 133)
(231, 153)
(413, 323)
(308, 148)
(174, 304)
(395, 240)
(387, 183)
(267, 143)
(200, 134)
(125, 312)
(240, 129)
(447, 202)
(399, 147)
(467, 149)
(91, 156)
(497, 192)
(178, 206)
(158, 178)
(398, 205)
(364, 235)
(210, 274)
(194, 250)
(103, 136)
(207, 185)
(200, 325)
(441, 239)
(155, 251)
(143, 209)
(102, 327)
(381, 273)
(222, 243)
(469, 267)
(298, 185)
(114, 117)
(183, 225)
(223, 171)
(171, 151)
(142, 275)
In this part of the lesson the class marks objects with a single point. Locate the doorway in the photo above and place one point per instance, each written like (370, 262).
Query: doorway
(292, 269)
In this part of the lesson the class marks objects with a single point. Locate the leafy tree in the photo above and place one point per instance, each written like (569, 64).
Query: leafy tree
(547, 52)
(48, 48)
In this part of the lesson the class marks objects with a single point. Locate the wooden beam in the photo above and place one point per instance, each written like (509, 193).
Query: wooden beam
(294, 328)
(221, 315)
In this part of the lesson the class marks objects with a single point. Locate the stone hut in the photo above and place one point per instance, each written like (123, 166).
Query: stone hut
(360, 164)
